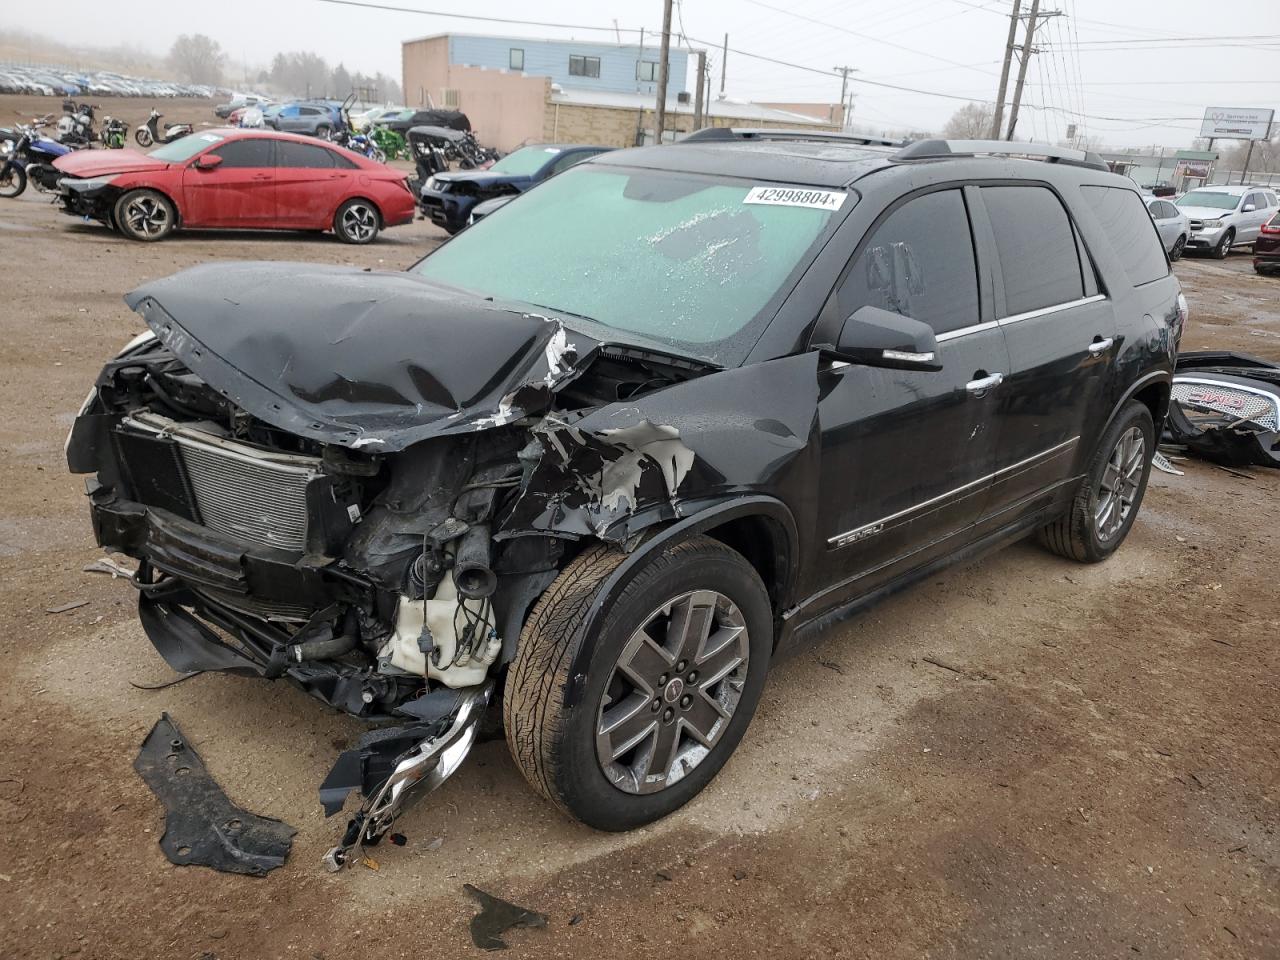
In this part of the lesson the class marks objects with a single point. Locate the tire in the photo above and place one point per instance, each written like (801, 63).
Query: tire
(1179, 246)
(567, 754)
(323, 131)
(1086, 533)
(378, 156)
(13, 181)
(1224, 245)
(145, 215)
(143, 136)
(357, 221)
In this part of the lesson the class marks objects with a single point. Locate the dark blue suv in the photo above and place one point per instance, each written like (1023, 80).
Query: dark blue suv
(446, 199)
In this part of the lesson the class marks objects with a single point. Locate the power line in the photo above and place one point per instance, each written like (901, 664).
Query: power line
(471, 16)
(861, 36)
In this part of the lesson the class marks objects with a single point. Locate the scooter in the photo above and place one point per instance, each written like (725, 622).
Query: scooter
(31, 159)
(149, 133)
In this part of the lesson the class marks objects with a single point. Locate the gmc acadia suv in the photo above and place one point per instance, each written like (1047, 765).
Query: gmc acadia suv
(613, 450)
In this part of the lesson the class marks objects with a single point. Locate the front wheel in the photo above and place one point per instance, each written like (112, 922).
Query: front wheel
(378, 156)
(13, 180)
(1224, 245)
(672, 678)
(1179, 246)
(144, 215)
(323, 132)
(1108, 496)
(357, 221)
(143, 136)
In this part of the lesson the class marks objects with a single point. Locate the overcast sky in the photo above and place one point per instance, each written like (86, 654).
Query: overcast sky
(1106, 59)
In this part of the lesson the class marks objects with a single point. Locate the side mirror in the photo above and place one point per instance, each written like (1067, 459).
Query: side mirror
(880, 338)
(1248, 208)
(210, 161)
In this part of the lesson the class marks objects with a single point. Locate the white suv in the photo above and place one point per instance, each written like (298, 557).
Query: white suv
(1223, 217)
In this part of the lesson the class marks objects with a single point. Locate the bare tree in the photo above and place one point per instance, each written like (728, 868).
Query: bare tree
(197, 58)
(970, 122)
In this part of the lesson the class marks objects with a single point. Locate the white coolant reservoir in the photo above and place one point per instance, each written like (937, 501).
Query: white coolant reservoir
(440, 613)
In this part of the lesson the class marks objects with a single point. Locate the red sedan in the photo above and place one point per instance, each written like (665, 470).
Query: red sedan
(236, 179)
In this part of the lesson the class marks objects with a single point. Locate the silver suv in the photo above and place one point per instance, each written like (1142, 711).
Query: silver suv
(1223, 217)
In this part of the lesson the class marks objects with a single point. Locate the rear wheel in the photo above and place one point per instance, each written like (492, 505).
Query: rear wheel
(1178, 246)
(357, 221)
(323, 131)
(13, 180)
(1224, 245)
(672, 679)
(144, 215)
(1108, 496)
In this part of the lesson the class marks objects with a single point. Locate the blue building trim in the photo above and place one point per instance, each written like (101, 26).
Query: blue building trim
(618, 63)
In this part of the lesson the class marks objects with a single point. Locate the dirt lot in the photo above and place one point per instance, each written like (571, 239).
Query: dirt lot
(1100, 778)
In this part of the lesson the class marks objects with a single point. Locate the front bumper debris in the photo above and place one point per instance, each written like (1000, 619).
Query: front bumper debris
(202, 827)
(420, 756)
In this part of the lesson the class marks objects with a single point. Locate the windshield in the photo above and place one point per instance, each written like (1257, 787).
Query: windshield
(689, 261)
(186, 147)
(1209, 198)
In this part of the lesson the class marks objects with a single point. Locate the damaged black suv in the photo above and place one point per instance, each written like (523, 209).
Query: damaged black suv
(618, 446)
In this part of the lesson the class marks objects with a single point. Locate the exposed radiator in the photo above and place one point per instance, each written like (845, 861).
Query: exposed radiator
(253, 495)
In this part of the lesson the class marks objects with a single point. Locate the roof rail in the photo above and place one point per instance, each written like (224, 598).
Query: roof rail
(712, 134)
(934, 149)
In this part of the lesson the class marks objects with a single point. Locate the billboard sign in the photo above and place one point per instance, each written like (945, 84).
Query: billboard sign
(1237, 123)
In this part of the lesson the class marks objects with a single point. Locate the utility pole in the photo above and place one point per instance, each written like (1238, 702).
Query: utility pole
(1027, 50)
(998, 118)
(724, 60)
(844, 90)
(660, 115)
(697, 97)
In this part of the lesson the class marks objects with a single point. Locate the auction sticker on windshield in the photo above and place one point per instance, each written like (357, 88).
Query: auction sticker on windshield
(796, 197)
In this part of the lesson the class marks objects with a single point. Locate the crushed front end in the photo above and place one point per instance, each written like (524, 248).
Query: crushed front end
(304, 503)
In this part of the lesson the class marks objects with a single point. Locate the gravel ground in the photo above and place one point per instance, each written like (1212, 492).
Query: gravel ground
(1098, 776)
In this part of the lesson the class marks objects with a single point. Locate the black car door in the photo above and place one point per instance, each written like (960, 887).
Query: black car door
(1060, 332)
(907, 454)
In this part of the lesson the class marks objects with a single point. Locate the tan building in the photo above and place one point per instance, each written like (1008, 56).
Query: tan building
(610, 101)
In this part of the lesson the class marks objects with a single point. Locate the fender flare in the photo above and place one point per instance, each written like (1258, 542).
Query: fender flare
(1155, 376)
(706, 518)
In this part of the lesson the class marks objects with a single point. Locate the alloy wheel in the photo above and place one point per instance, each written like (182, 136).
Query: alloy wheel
(146, 216)
(1118, 487)
(359, 222)
(673, 692)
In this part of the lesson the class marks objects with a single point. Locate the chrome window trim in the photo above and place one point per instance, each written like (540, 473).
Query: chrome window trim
(1014, 318)
(857, 533)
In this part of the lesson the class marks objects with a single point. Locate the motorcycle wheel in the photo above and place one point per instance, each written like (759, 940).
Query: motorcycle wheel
(13, 180)
(143, 136)
(378, 156)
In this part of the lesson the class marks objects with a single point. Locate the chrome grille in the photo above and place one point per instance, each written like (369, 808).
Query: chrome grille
(1229, 402)
(253, 495)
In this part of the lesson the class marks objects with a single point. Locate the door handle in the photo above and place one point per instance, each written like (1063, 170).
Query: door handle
(1099, 347)
(262, 176)
(979, 387)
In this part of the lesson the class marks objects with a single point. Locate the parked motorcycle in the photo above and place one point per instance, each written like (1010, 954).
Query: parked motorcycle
(31, 160)
(115, 133)
(149, 133)
(75, 126)
(470, 154)
(360, 143)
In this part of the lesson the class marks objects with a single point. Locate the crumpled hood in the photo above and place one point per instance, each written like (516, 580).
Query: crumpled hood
(375, 361)
(483, 179)
(1205, 213)
(102, 163)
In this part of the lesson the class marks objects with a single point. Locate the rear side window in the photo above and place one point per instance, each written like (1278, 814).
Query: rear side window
(919, 262)
(1039, 260)
(1132, 236)
(250, 152)
(290, 154)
